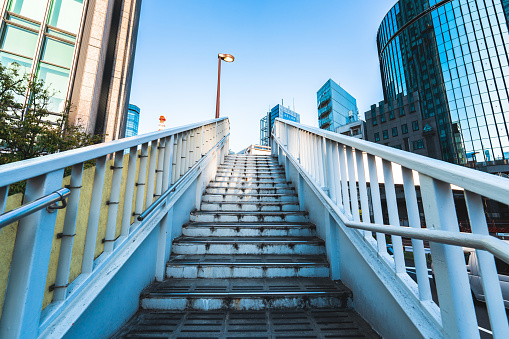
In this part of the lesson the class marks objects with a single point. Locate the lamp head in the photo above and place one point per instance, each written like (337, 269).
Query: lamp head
(226, 57)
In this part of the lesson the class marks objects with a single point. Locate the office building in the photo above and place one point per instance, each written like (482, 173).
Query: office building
(133, 121)
(454, 54)
(84, 52)
(335, 106)
(356, 129)
(398, 123)
(266, 123)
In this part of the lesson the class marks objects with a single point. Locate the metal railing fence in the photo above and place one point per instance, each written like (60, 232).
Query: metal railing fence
(50, 257)
(348, 175)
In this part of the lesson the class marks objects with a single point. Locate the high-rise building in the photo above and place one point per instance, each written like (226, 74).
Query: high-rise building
(133, 121)
(264, 130)
(82, 49)
(454, 54)
(335, 106)
(279, 111)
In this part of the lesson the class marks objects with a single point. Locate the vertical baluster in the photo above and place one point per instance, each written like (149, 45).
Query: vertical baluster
(392, 208)
(354, 202)
(314, 152)
(363, 192)
(453, 287)
(129, 192)
(331, 179)
(190, 150)
(141, 184)
(323, 162)
(149, 198)
(176, 159)
(93, 216)
(114, 201)
(344, 181)
(159, 170)
(299, 146)
(376, 202)
(168, 162)
(183, 154)
(318, 159)
(489, 275)
(67, 236)
(309, 156)
(4, 191)
(30, 261)
(199, 146)
(414, 221)
(337, 175)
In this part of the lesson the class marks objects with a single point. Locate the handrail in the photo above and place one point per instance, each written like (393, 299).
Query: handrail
(495, 246)
(22, 170)
(482, 183)
(193, 169)
(33, 206)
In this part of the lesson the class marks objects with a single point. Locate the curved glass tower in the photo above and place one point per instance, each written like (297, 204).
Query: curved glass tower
(455, 54)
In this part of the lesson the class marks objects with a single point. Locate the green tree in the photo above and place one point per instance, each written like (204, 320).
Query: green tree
(25, 128)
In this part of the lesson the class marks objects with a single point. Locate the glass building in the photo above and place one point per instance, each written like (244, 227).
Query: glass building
(82, 55)
(454, 53)
(279, 111)
(335, 106)
(133, 121)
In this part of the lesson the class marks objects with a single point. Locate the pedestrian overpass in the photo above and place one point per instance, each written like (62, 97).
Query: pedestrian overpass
(169, 222)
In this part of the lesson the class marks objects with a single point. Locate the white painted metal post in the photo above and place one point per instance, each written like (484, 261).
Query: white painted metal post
(331, 180)
(376, 202)
(159, 169)
(392, 209)
(129, 192)
(353, 184)
(3, 199)
(149, 198)
(141, 184)
(489, 274)
(323, 163)
(337, 175)
(93, 216)
(299, 147)
(453, 287)
(185, 141)
(344, 181)
(178, 159)
(67, 235)
(114, 201)
(414, 220)
(30, 260)
(363, 192)
(168, 162)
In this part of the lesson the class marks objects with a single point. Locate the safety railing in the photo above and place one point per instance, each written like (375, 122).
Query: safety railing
(371, 188)
(53, 265)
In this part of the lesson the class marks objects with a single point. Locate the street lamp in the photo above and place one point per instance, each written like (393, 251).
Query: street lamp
(227, 58)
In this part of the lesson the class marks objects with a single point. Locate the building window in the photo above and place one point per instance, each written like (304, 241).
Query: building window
(397, 146)
(401, 112)
(419, 144)
(415, 125)
(382, 117)
(391, 115)
(375, 122)
(394, 131)
(412, 107)
(377, 137)
(385, 134)
(404, 129)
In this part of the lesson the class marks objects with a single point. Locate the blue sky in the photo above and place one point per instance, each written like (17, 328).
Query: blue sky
(284, 49)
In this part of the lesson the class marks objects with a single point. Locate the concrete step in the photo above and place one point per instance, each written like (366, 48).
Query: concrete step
(248, 179)
(248, 206)
(252, 167)
(252, 173)
(261, 217)
(253, 190)
(323, 323)
(246, 294)
(249, 245)
(246, 266)
(250, 163)
(249, 230)
(250, 184)
(207, 197)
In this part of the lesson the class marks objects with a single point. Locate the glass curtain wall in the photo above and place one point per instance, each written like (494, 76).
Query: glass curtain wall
(455, 54)
(40, 36)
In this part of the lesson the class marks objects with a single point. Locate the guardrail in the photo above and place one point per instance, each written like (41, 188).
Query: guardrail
(346, 174)
(60, 262)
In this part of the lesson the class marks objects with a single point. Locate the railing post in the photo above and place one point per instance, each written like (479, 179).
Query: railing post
(353, 184)
(331, 179)
(376, 202)
(344, 181)
(363, 193)
(93, 216)
(159, 169)
(114, 201)
(323, 164)
(337, 177)
(453, 287)
(129, 192)
(141, 184)
(71, 213)
(149, 198)
(3, 199)
(30, 260)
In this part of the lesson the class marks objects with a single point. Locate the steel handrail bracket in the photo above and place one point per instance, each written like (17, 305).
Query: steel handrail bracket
(195, 146)
(325, 161)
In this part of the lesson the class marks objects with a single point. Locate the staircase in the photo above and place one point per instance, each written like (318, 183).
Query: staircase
(248, 264)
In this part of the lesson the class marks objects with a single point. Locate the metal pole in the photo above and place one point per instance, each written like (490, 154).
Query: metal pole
(218, 87)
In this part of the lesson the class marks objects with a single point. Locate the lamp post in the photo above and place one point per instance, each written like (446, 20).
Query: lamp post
(227, 58)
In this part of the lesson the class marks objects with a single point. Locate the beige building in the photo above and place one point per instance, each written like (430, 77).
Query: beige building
(83, 49)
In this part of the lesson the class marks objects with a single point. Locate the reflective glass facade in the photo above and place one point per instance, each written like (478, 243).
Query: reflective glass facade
(133, 121)
(454, 53)
(40, 36)
(282, 112)
(336, 107)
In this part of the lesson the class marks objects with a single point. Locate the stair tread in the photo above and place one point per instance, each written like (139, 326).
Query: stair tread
(249, 224)
(268, 203)
(269, 213)
(251, 260)
(254, 287)
(271, 239)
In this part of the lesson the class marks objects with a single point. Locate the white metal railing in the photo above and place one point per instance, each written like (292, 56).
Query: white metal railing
(346, 174)
(117, 187)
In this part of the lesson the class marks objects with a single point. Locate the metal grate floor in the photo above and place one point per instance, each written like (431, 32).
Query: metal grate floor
(247, 324)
